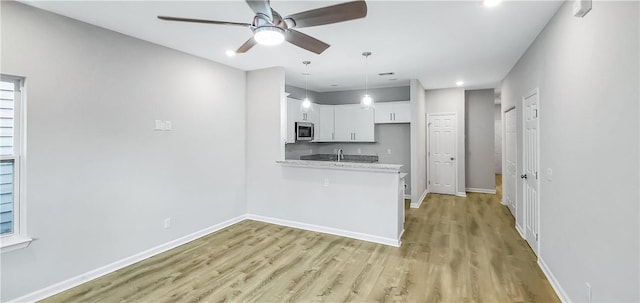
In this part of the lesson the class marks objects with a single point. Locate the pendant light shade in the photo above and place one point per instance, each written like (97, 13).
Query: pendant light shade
(367, 100)
(306, 103)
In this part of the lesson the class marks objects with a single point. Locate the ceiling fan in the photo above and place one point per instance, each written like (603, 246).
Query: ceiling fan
(269, 28)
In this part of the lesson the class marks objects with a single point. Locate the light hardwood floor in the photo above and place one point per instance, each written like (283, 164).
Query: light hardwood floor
(454, 250)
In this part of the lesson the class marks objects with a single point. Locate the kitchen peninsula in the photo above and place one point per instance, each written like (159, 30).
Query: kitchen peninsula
(353, 199)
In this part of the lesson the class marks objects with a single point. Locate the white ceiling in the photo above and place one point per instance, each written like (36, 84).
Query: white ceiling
(437, 42)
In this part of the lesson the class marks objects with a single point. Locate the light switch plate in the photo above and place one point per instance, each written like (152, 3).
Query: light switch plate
(167, 125)
(159, 125)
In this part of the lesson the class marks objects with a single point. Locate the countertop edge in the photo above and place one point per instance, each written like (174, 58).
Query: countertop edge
(373, 167)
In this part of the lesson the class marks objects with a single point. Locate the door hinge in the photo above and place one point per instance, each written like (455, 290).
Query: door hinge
(429, 182)
(536, 175)
(536, 237)
(428, 153)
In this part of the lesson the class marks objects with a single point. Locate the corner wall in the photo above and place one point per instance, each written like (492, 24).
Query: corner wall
(587, 71)
(480, 140)
(100, 180)
(418, 143)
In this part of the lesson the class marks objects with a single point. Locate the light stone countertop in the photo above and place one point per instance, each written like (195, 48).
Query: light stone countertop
(390, 168)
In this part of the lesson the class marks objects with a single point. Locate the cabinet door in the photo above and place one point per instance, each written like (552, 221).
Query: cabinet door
(401, 112)
(324, 127)
(344, 122)
(363, 126)
(384, 112)
(293, 115)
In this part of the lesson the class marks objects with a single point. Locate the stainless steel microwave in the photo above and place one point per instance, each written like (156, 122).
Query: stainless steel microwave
(304, 131)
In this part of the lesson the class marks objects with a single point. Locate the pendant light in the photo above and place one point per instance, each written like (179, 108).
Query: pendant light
(306, 103)
(366, 101)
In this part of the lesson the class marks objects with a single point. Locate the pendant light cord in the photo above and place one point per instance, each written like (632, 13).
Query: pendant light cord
(306, 77)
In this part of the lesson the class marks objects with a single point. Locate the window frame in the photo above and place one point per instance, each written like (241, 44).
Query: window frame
(18, 237)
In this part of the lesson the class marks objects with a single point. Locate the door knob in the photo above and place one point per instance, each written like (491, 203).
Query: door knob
(452, 158)
(523, 176)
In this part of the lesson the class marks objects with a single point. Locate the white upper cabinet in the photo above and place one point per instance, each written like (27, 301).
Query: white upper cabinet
(353, 124)
(324, 129)
(393, 112)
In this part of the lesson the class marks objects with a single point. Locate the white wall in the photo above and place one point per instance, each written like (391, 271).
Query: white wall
(451, 100)
(587, 71)
(480, 143)
(100, 180)
(418, 143)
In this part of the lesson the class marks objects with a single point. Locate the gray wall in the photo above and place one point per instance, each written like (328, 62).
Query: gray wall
(451, 100)
(299, 93)
(389, 137)
(480, 151)
(100, 180)
(587, 72)
(353, 96)
(497, 129)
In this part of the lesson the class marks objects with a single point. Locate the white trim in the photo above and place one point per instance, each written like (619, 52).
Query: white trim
(407, 197)
(503, 202)
(417, 204)
(520, 232)
(14, 243)
(326, 230)
(481, 190)
(461, 194)
(553, 281)
(109, 268)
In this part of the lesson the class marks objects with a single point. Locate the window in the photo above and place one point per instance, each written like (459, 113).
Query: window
(12, 227)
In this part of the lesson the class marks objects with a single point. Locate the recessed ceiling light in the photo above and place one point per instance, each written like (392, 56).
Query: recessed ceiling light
(491, 3)
(230, 53)
(460, 83)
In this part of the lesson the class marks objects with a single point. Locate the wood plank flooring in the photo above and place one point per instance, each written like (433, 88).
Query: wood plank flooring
(454, 250)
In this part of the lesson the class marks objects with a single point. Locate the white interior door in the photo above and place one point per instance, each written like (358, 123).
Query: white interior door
(441, 153)
(530, 169)
(510, 175)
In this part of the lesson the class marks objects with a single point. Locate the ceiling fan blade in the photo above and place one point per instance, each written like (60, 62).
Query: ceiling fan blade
(330, 14)
(202, 21)
(261, 7)
(305, 41)
(246, 46)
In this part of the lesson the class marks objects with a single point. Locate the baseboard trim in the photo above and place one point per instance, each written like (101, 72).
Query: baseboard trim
(520, 232)
(407, 197)
(553, 281)
(460, 194)
(419, 202)
(503, 202)
(326, 230)
(481, 190)
(109, 268)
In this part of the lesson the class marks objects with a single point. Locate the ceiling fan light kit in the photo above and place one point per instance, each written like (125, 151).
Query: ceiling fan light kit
(269, 28)
(268, 35)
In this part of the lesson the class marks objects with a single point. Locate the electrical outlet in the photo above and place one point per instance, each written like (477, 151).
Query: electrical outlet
(167, 125)
(335, 150)
(310, 151)
(588, 291)
(326, 182)
(389, 151)
(167, 223)
(359, 150)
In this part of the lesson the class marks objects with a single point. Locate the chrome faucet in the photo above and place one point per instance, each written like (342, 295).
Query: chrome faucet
(340, 155)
